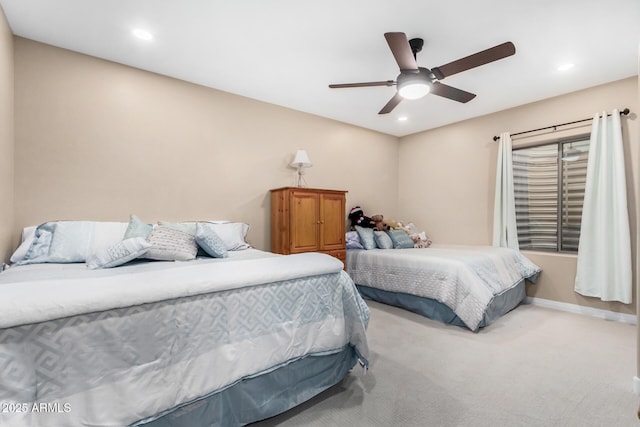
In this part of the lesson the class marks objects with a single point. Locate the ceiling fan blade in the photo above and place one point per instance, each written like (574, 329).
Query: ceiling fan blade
(365, 84)
(451, 92)
(401, 50)
(484, 57)
(393, 102)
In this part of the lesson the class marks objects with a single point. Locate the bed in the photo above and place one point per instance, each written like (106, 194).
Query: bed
(468, 286)
(216, 341)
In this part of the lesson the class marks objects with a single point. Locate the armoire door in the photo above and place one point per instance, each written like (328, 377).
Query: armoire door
(304, 222)
(332, 220)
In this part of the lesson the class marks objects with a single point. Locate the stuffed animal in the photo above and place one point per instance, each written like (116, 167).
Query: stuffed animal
(379, 223)
(395, 225)
(357, 217)
(420, 240)
(410, 228)
(392, 223)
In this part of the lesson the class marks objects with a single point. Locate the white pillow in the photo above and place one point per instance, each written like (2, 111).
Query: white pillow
(70, 241)
(119, 253)
(233, 234)
(59, 242)
(170, 244)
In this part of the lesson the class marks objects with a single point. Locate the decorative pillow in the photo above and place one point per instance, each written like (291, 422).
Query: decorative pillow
(400, 239)
(383, 241)
(119, 254)
(187, 227)
(233, 234)
(137, 228)
(366, 237)
(169, 244)
(28, 234)
(209, 241)
(353, 240)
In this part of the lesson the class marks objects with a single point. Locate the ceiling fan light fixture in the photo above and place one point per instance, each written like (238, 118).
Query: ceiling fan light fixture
(414, 85)
(414, 90)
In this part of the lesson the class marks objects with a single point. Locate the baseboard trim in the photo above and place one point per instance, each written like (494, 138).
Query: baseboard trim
(589, 311)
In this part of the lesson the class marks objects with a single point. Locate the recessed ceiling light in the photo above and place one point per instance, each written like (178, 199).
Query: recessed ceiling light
(142, 34)
(565, 67)
(402, 118)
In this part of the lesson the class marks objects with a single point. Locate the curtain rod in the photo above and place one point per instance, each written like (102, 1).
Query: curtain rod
(624, 112)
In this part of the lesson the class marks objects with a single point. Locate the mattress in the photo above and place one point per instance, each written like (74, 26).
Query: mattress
(465, 279)
(132, 344)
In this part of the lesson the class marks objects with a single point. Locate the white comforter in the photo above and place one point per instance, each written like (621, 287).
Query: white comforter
(112, 347)
(40, 292)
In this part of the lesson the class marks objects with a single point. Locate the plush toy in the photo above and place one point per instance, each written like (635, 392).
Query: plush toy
(379, 223)
(357, 217)
(392, 223)
(395, 225)
(409, 228)
(420, 240)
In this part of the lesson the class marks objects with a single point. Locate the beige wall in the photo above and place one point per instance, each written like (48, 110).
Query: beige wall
(98, 140)
(447, 178)
(7, 229)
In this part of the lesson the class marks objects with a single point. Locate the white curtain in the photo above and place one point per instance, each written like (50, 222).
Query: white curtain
(505, 231)
(604, 251)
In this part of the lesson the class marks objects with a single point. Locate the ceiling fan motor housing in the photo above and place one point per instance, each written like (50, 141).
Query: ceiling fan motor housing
(416, 45)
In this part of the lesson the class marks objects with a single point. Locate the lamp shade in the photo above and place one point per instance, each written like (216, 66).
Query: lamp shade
(301, 160)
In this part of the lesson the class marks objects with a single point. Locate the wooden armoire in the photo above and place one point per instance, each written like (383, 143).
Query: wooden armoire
(308, 220)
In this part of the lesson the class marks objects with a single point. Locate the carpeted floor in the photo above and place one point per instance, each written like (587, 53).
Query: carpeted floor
(533, 367)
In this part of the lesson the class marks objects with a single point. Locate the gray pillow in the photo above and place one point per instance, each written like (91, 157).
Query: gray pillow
(383, 241)
(400, 239)
(169, 244)
(366, 237)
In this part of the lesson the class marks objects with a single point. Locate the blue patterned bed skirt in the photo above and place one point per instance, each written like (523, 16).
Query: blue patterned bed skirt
(264, 396)
(433, 309)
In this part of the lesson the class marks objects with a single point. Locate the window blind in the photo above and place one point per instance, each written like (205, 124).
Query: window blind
(574, 177)
(549, 183)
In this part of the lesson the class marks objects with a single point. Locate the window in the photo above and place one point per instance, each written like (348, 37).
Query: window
(549, 182)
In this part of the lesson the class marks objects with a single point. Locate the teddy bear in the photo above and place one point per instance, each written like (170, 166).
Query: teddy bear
(379, 223)
(357, 217)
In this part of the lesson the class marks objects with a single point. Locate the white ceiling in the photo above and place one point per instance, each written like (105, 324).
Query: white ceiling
(286, 52)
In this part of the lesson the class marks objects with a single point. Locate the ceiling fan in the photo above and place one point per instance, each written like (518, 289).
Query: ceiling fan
(414, 82)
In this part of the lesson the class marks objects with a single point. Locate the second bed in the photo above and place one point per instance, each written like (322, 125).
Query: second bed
(469, 286)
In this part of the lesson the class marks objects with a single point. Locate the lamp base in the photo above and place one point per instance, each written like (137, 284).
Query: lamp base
(301, 180)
